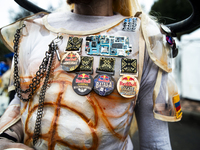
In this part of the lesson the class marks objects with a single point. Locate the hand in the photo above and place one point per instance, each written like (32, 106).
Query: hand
(5, 143)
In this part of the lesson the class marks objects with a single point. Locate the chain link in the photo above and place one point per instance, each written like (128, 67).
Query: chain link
(41, 98)
(44, 68)
(39, 74)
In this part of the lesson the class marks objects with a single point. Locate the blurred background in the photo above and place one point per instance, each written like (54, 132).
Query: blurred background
(185, 135)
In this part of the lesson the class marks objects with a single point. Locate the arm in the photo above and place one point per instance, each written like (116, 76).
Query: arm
(153, 133)
(13, 135)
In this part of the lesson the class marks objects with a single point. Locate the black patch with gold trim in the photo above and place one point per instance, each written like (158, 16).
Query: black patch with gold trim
(74, 44)
(86, 64)
(128, 65)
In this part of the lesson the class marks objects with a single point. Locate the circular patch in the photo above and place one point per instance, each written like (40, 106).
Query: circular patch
(104, 84)
(70, 61)
(83, 83)
(128, 86)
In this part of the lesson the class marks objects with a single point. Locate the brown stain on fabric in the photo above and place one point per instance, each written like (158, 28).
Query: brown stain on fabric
(101, 111)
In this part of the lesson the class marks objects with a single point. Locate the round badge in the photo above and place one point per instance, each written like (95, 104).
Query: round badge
(83, 83)
(128, 86)
(70, 61)
(104, 84)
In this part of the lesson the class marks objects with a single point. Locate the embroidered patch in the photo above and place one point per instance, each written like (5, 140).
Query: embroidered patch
(74, 44)
(106, 64)
(86, 64)
(128, 65)
(177, 106)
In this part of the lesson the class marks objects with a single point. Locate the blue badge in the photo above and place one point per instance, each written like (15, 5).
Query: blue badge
(104, 84)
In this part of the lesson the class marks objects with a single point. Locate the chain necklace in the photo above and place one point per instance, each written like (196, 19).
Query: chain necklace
(42, 96)
(45, 67)
(39, 74)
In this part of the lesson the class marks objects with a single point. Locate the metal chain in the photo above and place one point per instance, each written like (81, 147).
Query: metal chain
(42, 97)
(52, 69)
(39, 74)
(46, 66)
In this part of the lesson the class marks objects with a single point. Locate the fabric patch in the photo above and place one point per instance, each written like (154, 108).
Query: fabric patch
(177, 105)
(107, 64)
(86, 64)
(128, 65)
(74, 44)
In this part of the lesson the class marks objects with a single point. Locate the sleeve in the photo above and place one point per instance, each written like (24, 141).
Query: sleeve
(166, 100)
(7, 35)
(10, 122)
(153, 133)
(14, 133)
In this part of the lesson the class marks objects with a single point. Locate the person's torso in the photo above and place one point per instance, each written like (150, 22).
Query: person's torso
(69, 120)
